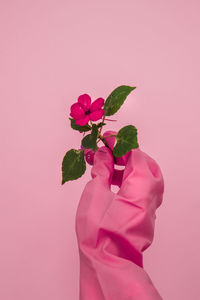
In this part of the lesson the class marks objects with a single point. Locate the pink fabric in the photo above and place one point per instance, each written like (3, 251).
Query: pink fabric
(113, 229)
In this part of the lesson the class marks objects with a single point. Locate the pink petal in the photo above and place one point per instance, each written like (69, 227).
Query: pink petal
(83, 121)
(96, 115)
(85, 101)
(97, 104)
(76, 111)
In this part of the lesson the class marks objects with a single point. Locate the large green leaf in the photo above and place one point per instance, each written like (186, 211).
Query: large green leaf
(126, 140)
(90, 140)
(73, 165)
(79, 127)
(116, 99)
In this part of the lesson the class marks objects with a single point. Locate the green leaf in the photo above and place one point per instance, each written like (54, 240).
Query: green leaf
(90, 140)
(126, 140)
(116, 99)
(73, 165)
(101, 124)
(78, 127)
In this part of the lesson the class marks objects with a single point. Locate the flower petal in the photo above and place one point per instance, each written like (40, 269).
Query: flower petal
(96, 115)
(83, 121)
(97, 104)
(84, 101)
(76, 111)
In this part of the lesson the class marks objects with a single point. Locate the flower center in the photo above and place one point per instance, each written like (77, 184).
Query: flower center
(87, 112)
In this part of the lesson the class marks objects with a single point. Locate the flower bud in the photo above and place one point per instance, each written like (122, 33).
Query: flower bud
(89, 156)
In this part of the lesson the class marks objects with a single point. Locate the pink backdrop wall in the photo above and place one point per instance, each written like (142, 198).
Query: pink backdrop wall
(51, 52)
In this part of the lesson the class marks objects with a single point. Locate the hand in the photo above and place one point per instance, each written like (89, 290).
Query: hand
(113, 229)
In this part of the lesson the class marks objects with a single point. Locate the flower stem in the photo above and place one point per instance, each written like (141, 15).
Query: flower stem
(101, 138)
(105, 143)
(102, 122)
(110, 120)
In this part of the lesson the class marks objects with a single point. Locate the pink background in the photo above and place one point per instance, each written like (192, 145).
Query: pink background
(53, 51)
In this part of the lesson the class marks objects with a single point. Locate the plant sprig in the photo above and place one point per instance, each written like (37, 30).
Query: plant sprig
(74, 164)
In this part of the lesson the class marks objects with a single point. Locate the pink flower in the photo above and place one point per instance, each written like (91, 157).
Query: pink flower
(83, 110)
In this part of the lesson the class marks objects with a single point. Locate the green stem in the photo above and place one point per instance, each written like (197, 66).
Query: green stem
(103, 140)
(102, 122)
(106, 137)
(105, 143)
